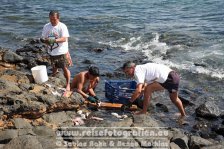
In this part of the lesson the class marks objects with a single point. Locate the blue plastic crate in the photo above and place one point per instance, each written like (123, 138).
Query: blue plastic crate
(119, 91)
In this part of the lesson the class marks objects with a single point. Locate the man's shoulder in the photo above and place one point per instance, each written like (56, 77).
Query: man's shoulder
(47, 24)
(62, 24)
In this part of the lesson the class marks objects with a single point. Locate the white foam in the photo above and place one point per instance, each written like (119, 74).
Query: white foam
(155, 50)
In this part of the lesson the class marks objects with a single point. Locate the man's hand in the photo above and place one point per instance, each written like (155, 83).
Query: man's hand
(51, 41)
(126, 106)
(91, 99)
(97, 100)
(48, 40)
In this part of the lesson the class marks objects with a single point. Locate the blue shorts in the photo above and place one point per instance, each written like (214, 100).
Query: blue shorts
(172, 82)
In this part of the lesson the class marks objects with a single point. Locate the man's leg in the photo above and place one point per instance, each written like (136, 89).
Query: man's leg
(149, 89)
(176, 100)
(67, 75)
(54, 67)
(54, 71)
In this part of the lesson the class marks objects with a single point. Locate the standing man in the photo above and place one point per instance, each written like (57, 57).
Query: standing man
(55, 34)
(158, 77)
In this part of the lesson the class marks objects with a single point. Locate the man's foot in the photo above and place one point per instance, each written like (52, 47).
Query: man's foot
(182, 120)
(67, 93)
(68, 87)
(140, 112)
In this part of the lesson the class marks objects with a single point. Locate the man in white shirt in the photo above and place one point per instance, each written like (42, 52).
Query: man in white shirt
(55, 34)
(158, 77)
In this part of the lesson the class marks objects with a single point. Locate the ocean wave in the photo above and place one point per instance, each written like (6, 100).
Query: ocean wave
(179, 56)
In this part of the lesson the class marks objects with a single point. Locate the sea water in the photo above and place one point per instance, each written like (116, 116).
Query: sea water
(186, 35)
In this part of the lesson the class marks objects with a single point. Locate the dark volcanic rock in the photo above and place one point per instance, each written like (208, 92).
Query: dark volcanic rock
(198, 142)
(162, 107)
(208, 110)
(12, 57)
(180, 139)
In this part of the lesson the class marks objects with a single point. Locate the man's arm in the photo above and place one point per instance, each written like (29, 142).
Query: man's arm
(80, 85)
(137, 92)
(62, 39)
(92, 86)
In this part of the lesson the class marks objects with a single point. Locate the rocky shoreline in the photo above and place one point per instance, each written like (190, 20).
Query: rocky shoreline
(37, 116)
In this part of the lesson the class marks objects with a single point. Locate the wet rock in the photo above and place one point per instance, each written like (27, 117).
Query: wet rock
(208, 134)
(107, 74)
(24, 142)
(222, 115)
(162, 107)
(98, 50)
(33, 54)
(198, 142)
(31, 50)
(34, 41)
(174, 146)
(86, 61)
(11, 57)
(201, 125)
(180, 139)
(219, 129)
(200, 64)
(186, 97)
(208, 110)
(119, 74)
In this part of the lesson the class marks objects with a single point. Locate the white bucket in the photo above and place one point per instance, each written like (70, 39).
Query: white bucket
(39, 74)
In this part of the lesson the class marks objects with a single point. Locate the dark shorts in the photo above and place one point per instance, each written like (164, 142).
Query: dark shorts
(59, 61)
(172, 82)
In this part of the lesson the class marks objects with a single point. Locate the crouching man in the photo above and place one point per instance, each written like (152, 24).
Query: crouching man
(158, 77)
(85, 82)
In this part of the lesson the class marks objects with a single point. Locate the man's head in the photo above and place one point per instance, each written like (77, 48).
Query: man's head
(129, 68)
(54, 17)
(94, 71)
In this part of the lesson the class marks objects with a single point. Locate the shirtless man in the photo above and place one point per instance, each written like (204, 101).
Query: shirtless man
(85, 83)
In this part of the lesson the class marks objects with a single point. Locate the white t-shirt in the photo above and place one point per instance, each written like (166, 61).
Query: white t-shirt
(147, 73)
(58, 31)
